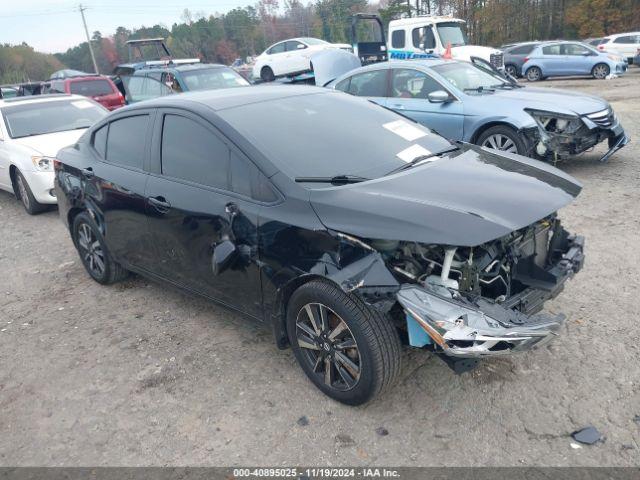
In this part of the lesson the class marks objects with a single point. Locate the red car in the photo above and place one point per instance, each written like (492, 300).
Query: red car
(98, 87)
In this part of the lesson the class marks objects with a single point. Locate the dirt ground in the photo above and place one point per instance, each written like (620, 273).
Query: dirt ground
(141, 374)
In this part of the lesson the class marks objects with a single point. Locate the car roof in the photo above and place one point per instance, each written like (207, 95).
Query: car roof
(225, 98)
(39, 99)
(616, 35)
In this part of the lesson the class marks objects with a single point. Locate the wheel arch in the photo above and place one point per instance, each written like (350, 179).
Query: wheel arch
(12, 176)
(279, 311)
(486, 126)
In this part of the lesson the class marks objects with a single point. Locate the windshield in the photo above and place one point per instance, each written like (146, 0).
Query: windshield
(465, 76)
(330, 134)
(50, 117)
(313, 41)
(451, 33)
(91, 88)
(213, 78)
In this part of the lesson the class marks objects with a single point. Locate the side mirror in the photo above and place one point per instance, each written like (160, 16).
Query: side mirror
(223, 255)
(439, 96)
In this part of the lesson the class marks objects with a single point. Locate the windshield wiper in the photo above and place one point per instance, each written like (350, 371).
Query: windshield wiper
(422, 158)
(506, 86)
(335, 180)
(480, 89)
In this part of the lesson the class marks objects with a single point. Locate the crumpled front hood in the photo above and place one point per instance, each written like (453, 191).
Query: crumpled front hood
(466, 200)
(51, 143)
(553, 100)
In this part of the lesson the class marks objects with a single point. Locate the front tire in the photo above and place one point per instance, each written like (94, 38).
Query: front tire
(24, 194)
(93, 252)
(503, 138)
(600, 71)
(347, 349)
(534, 74)
(266, 74)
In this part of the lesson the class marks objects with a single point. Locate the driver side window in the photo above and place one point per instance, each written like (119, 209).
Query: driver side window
(409, 83)
(423, 38)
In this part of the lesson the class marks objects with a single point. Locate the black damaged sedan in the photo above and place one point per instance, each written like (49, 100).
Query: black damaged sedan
(346, 228)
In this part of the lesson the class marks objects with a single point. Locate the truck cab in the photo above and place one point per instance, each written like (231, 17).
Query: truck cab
(428, 36)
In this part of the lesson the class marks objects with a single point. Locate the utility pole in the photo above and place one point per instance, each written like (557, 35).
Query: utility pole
(86, 31)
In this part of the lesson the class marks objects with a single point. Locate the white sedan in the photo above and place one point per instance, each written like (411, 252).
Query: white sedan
(32, 130)
(290, 57)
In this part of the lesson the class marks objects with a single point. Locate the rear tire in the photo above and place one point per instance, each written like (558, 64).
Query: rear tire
(24, 194)
(363, 358)
(93, 252)
(511, 70)
(600, 71)
(534, 74)
(502, 138)
(266, 74)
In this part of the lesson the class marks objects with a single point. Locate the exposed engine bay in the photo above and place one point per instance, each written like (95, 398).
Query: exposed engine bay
(472, 302)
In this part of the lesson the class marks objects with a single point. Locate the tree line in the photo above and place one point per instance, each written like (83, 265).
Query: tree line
(247, 31)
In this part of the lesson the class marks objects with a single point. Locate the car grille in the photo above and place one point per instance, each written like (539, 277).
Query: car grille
(603, 118)
(496, 59)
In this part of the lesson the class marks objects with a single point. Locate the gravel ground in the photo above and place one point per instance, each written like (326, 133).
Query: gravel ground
(141, 374)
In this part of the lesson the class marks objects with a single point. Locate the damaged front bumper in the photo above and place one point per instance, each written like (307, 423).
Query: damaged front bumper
(464, 328)
(584, 133)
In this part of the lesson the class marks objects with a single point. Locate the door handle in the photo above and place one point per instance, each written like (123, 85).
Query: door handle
(159, 203)
(398, 107)
(88, 172)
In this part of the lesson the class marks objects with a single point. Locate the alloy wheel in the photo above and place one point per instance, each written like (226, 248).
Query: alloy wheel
(328, 346)
(500, 142)
(511, 70)
(533, 74)
(90, 250)
(24, 196)
(600, 71)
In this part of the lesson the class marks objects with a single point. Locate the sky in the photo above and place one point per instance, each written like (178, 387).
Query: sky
(54, 25)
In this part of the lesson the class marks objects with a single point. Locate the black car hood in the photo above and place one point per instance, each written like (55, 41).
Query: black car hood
(466, 200)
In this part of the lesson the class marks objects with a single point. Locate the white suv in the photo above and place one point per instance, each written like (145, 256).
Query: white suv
(290, 57)
(32, 130)
(624, 44)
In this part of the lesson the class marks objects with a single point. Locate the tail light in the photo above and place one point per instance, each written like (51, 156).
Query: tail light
(56, 164)
(121, 97)
(601, 48)
(526, 59)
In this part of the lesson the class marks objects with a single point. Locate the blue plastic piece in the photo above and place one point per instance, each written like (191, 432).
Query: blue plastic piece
(417, 336)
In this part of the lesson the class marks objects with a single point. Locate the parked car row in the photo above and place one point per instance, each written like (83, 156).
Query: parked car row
(539, 60)
(351, 226)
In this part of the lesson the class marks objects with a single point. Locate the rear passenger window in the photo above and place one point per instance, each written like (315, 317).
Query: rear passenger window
(523, 50)
(192, 152)
(100, 141)
(629, 39)
(369, 84)
(247, 180)
(397, 39)
(126, 141)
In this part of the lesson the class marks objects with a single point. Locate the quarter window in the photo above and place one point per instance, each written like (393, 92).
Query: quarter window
(343, 85)
(369, 84)
(126, 141)
(397, 39)
(194, 153)
(100, 141)
(247, 180)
